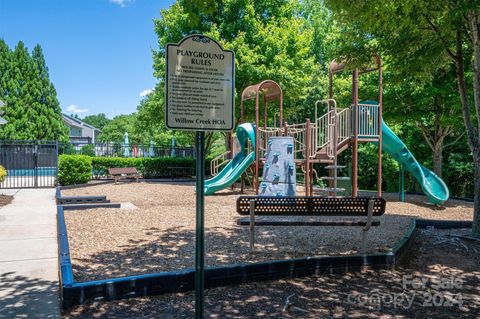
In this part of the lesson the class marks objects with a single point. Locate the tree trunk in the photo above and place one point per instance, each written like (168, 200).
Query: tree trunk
(436, 143)
(476, 201)
(438, 158)
(474, 19)
(208, 142)
(473, 139)
(228, 144)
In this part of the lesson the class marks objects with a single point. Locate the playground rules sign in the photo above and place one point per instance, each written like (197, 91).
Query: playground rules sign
(199, 85)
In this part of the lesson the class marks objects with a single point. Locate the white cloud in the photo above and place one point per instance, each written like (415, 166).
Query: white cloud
(75, 109)
(121, 3)
(145, 92)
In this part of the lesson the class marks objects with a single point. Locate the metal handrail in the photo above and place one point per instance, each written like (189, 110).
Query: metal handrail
(215, 165)
(368, 120)
(345, 125)
(336, 122)
(264, 134)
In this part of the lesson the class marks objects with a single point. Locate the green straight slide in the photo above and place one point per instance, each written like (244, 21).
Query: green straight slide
(432, 185)
(235, 168)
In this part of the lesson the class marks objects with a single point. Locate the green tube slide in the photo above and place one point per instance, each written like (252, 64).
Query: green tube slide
(432, 185)
(235, 168)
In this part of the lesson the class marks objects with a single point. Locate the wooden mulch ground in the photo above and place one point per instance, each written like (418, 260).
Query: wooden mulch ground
(446, 273)
(5, 200)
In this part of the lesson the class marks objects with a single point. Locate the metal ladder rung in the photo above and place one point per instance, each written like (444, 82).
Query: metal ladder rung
(335, 166)
(340, 178)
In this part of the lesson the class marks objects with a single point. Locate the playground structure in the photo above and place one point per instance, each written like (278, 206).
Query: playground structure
(320, 140)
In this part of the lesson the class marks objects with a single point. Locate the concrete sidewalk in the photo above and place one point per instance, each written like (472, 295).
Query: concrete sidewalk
(28, 255)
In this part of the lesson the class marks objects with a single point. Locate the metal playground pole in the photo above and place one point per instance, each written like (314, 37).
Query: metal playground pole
(200, 229)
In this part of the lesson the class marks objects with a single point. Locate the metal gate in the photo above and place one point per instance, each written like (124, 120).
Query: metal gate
(29, 164)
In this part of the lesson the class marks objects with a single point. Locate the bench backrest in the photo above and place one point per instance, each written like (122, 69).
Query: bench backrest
(122, 170)
(310, 206)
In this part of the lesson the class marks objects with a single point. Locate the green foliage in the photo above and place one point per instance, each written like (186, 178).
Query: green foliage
(74, 169)
(97, 120)
(158, 167)
(114, 130)
(270, 40)
(88, 150)
(31, 106)
(3, 173)
(459, 175)
(150, 123)
(149, 167)
(368, 169)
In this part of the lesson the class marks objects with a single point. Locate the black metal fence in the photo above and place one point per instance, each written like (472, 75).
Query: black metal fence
(29, 164)
(123, 150)
(34, 164)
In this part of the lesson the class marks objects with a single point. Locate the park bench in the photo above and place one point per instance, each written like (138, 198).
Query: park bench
(310, 206)
(124, 172)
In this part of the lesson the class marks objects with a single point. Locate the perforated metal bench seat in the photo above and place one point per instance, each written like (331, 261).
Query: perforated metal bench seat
(310, 206)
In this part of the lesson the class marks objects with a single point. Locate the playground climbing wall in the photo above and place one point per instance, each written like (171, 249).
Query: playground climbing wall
(279, 175)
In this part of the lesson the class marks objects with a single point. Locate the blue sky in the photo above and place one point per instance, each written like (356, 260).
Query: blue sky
(98, 51)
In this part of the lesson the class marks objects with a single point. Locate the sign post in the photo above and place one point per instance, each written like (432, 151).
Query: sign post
(199, 95)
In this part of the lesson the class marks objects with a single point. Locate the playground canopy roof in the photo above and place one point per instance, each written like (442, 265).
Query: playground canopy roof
(336, 67)
(270, 90)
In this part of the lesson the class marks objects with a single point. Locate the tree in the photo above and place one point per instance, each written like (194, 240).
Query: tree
(114, 130)
(431, 105)
(97, 120)
(269, 37)
(419, 37)
(32, 109)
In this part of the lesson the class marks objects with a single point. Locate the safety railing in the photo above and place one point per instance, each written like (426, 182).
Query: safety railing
(368, 120)
(218, 162)
(263, 135)
(321, 131)
(344, 125)
(298, 132)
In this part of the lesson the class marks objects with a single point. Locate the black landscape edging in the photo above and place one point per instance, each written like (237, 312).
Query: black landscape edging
(443, 224)
(465, 199)
(64, 264)
(90, 206)
(181, 281)
(400, 250)
(82, 200)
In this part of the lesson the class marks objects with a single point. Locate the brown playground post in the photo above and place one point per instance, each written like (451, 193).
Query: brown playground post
(355, 134)
(380, 117)
(307, 158)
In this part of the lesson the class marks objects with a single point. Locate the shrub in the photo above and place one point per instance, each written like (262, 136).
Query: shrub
(88, 150)
(74, 169)
(3, 173)
(156, 167)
